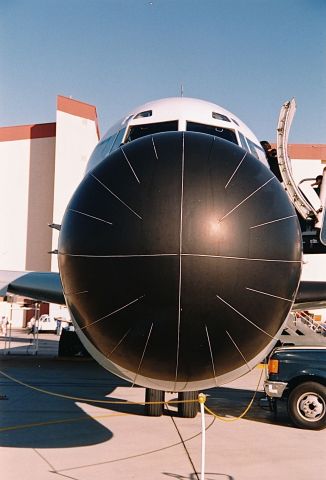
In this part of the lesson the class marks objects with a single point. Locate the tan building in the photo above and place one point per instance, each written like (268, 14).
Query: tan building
(42, 164)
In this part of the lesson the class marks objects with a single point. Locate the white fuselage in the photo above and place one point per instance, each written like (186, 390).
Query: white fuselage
(177, 114)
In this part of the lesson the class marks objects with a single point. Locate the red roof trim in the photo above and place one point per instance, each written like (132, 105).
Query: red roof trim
(306, 151)
(79, 109)
(27, 132)
(311, 151)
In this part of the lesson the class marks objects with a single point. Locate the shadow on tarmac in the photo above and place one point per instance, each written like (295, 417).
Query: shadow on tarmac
(32, 419)
(195, 476)
(231, 402)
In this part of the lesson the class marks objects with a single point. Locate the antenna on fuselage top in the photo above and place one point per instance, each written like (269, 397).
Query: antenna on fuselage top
(181, 90)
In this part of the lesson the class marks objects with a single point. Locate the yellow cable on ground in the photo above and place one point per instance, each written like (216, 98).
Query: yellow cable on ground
(224, 419)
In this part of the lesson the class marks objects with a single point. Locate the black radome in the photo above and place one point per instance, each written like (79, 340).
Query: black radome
(180, 257)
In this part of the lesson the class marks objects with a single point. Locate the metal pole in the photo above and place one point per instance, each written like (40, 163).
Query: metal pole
(37, 317)
(202, 400)
(11, 298)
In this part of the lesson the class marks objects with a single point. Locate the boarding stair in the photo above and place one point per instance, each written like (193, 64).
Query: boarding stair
(302, 329)
(303, 197)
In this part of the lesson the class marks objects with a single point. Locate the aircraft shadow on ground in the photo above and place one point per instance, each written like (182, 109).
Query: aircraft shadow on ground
(36, 420)
(232, 402)
(195, 476)
(32, 419)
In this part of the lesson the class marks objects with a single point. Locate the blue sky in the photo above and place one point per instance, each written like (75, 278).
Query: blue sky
(247, 55)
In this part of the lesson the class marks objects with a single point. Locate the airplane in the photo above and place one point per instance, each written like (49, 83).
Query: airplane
(180, 252)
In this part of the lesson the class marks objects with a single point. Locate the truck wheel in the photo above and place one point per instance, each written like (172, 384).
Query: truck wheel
(154, 409)
(307, 405)
(188, 410)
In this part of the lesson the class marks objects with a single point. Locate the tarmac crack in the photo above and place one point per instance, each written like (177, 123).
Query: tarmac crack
(90, 465)
(183, 442)
(53, 469)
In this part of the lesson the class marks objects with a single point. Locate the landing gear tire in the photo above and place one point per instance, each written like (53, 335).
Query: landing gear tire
(307, 406)
(188, 410)
(154, 409)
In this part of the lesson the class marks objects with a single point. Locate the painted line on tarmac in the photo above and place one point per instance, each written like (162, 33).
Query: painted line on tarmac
(59, 421)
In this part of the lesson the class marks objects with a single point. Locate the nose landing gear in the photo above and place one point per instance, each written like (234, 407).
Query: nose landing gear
(188, 408)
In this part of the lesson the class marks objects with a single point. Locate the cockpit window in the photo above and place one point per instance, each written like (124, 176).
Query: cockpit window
(211, 130)
(243, 142)
(137, 131)
(220, 116)
(256, 150)
(146, 113)
(107, 145)
(118, 139)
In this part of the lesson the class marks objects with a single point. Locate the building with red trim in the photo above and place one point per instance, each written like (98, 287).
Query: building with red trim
(41, 165)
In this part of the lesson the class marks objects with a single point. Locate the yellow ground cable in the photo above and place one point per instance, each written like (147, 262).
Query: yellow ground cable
(92, 400)
(224, 419)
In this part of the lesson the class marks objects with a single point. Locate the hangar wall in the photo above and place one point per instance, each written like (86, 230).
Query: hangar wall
(76, 138)
(41, 165)
(26, 195)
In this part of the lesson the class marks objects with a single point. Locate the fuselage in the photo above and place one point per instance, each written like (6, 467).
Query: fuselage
(180, 252)
(177, 114)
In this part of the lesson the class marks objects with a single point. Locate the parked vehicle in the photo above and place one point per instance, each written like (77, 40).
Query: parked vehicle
(298, 376)
(47, 324)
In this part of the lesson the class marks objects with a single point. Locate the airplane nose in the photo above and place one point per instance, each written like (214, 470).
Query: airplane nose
(180, 257)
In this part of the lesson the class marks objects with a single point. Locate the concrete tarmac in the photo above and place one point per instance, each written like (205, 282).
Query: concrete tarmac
(44, 437)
